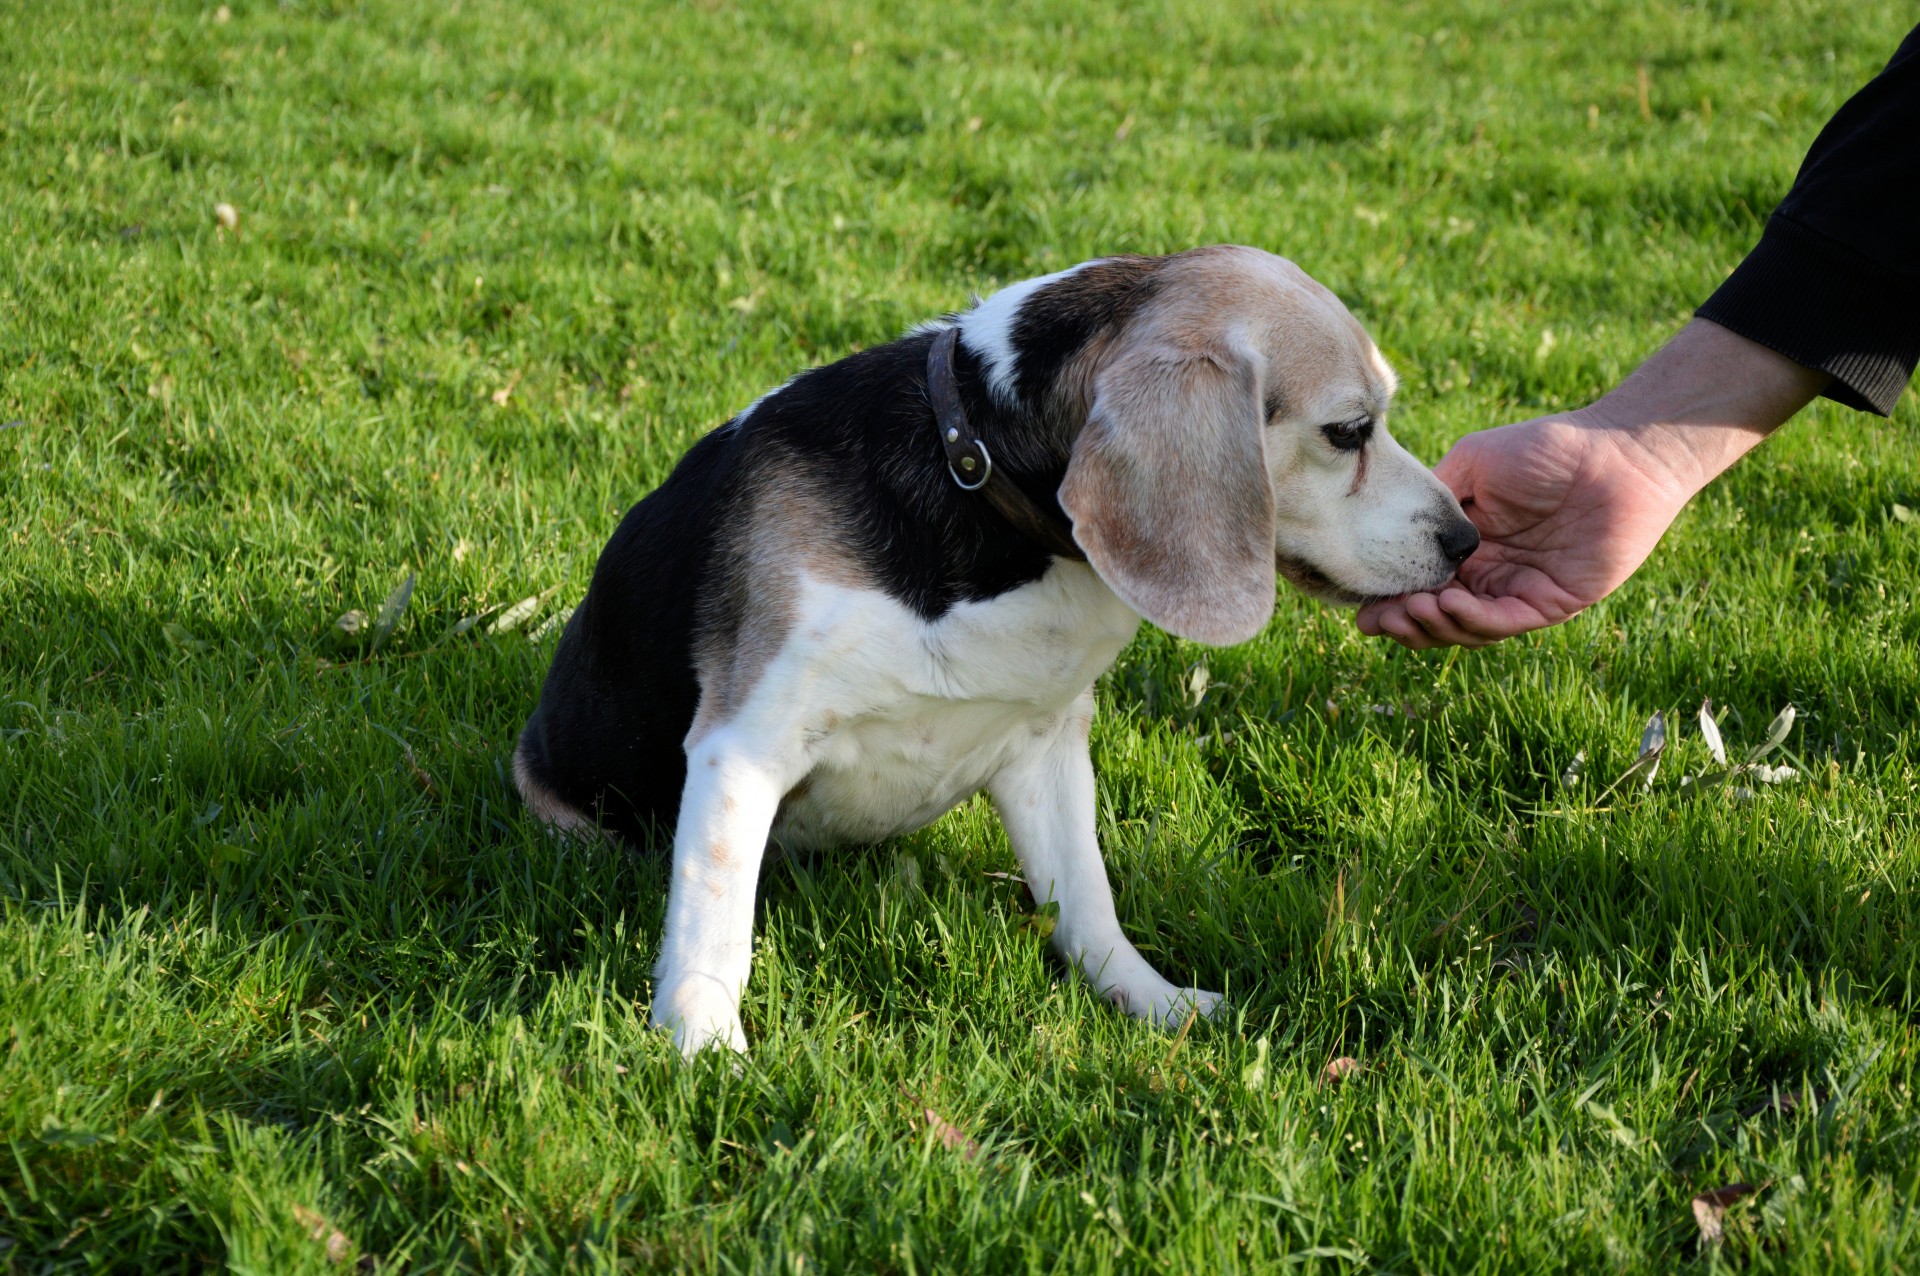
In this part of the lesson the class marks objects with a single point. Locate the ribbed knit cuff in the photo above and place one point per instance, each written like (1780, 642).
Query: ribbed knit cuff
(1826, 307)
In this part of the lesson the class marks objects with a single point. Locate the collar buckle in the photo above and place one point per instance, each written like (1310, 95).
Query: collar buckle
(968, 459)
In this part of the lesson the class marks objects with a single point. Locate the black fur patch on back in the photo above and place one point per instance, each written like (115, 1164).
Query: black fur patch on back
(1057, 321)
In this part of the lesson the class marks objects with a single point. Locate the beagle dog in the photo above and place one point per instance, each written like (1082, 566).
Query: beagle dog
(892, 582)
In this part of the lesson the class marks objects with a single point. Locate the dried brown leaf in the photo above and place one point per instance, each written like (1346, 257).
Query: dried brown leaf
(1710, 1210)
(339, 1245)
(951, 1135)
(1339, 1070)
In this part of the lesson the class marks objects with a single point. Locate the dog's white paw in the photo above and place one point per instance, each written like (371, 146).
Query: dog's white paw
(700, 1013)
(1165, 1005)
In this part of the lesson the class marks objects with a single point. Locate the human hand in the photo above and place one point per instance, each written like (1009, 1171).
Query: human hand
(1569, 506)
(1567, 509)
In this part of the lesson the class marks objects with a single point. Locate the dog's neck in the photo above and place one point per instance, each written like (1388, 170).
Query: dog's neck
(970, 460)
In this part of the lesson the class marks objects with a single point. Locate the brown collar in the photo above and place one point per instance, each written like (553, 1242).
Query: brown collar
(972, 467)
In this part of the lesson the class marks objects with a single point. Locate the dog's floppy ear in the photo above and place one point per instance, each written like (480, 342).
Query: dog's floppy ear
(1169, 493)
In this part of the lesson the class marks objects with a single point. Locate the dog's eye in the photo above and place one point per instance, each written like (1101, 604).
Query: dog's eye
(1349, 436)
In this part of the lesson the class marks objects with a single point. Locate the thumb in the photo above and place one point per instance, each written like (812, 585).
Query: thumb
(1456, 468)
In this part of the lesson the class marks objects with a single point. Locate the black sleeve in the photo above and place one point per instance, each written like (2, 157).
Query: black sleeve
(1832, 282)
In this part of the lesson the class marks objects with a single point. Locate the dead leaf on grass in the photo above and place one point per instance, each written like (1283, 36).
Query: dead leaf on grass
(951, 1135)
(1710, 1210)
(1254, 1075)
(515, 616)
(389, 618)
(339, 1245)
(1653, 742)
(466, 623)
(1339, 1070)
(1776, 734)
(1710, 732)
(178, 635)
(540, 631)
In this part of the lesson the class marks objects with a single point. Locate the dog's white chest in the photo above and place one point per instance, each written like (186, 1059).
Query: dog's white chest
(905, 718)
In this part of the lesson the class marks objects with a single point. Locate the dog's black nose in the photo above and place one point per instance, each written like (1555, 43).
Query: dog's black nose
(1459, 541)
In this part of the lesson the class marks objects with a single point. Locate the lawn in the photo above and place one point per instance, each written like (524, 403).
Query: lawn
(289, 981)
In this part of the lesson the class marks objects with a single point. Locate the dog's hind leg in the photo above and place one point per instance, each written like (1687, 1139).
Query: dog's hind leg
(1046, 801)
(726, 813)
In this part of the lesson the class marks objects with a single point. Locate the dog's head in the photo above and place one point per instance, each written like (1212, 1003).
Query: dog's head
(1235, 424)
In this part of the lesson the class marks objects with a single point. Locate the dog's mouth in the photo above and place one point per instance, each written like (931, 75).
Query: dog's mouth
(1316, 584)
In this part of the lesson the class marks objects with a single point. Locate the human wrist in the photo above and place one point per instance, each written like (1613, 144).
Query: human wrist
(1680, 456)
(1704, 400)
(1651, 452)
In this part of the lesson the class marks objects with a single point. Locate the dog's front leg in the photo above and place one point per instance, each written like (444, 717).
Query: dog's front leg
(1046, 801)
(726, 812)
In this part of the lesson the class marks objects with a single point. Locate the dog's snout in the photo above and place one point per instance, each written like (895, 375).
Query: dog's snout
(1458, 541)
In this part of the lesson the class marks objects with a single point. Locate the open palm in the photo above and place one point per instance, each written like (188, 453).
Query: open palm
(1566, 510)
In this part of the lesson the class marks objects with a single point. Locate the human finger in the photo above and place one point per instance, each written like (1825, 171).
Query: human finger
(1384, 618)
(1456, 468)
(1489, 619)
(1440, 625)
(1367, 619)
(1397, 624)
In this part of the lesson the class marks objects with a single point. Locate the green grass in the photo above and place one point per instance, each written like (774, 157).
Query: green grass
(286, 975)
